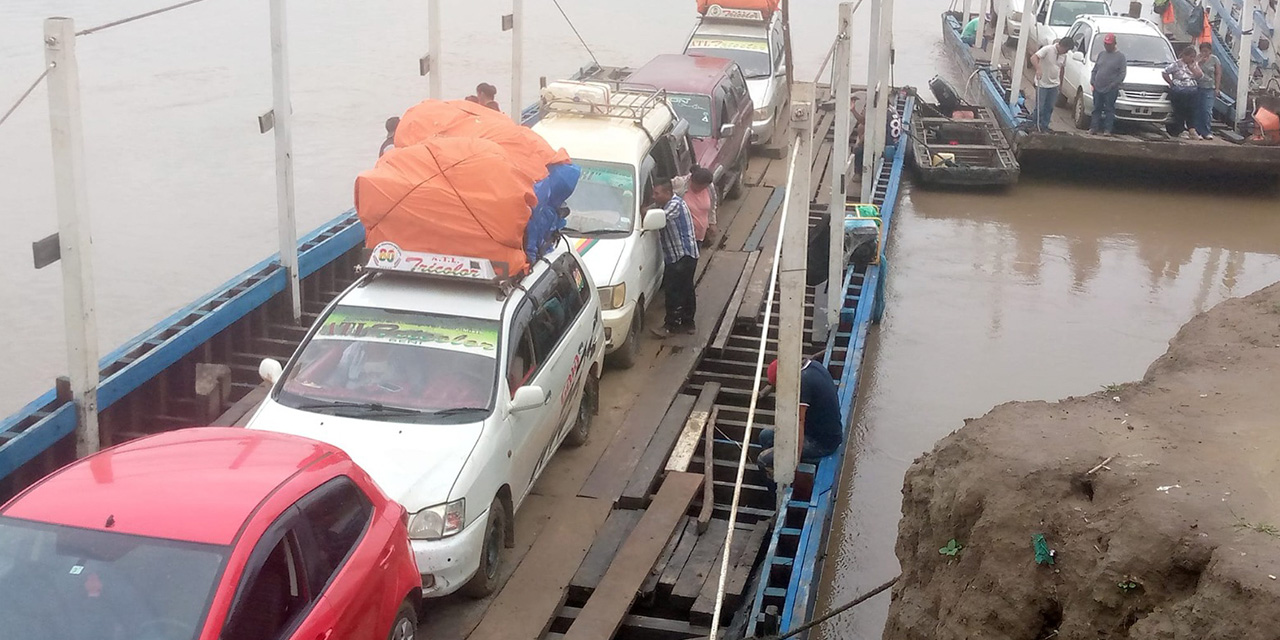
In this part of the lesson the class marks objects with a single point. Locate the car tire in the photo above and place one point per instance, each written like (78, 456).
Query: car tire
(1082, 120)
(581, 430)
(740, 176)
(485, 581)
(406, 624)
(626, 356)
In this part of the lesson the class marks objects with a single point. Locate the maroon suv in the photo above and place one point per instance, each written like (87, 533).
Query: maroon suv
(711, 94)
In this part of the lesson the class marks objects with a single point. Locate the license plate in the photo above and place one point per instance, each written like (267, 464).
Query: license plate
(1142, 111)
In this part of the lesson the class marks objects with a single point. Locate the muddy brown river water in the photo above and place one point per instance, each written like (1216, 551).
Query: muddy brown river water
(1071, 280)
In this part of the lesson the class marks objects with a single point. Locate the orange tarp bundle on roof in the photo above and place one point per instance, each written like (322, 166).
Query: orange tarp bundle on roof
(463, 119)
(765, 6)
(459, 196)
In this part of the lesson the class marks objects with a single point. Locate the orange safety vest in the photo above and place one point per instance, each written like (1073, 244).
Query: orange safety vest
(1268, 126)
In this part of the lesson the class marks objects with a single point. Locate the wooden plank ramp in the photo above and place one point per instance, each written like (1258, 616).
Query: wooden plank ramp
(239, 413)
(613, 472)
(600, 618)
(654, 459)
(523, 610)
(744, 551)
(616, 529)
(691, 435)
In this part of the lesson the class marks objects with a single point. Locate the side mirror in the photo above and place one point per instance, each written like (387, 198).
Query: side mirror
(654, 220)
(782, 68)
(270, 370)
(1078, 56)
(528, 397)
(727, 129)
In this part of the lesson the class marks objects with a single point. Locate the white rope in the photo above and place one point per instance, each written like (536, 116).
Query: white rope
(755, 392)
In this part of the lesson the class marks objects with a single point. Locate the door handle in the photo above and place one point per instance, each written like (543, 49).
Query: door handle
(326, 635)
(386, 555)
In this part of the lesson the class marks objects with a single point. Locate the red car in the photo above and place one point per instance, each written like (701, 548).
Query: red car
(204, 534)
(711, 94)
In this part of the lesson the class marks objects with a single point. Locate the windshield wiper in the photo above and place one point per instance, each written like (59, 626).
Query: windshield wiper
(453, 411)
(363, 407)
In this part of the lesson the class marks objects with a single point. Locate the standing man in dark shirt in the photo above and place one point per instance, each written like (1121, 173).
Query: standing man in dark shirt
(821, 425)
(1108, 74)
(680, 255)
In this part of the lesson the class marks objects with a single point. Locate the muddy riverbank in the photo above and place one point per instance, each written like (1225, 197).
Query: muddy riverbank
(1158, 499)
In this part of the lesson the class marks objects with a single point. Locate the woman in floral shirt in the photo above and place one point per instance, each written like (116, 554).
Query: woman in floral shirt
(1183, 76)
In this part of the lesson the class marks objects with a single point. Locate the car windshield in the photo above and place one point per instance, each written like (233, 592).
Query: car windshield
(399, 366)
(68, 583)
(1065, 12)
(751, 54)
(1138, 49)
(603, 202)
(696, 110)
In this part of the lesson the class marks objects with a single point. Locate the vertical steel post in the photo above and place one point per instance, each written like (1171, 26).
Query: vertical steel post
(841, 62)
(286, 224)
(870, 131)
(791, 291)
(997, 43)
(74, 238)
(1244, 59)
(517, 57)
(1020, 52)
(983, 6)
(433, 50)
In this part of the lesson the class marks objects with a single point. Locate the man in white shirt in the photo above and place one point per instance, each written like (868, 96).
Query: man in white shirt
(1048, 63)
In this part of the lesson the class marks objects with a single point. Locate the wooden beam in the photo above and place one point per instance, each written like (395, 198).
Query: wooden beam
(240, 412)
(655, 574)
(735, 302)
(687, 443)
(702, 565)
(616, 529)
(708, 473)
(523, 610)
(600, 618)
(654, 459)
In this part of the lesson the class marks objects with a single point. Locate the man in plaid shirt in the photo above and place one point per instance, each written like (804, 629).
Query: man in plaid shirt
(680, 253)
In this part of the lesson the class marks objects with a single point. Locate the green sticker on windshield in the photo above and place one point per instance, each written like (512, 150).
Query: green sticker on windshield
(444, 332)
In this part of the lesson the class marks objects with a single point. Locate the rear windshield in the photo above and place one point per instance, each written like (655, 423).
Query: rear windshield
(67, 583)
(1138, 49)
(696, 109)
(603, 202)
(751, 54)
(1065, 12)
(392, 365)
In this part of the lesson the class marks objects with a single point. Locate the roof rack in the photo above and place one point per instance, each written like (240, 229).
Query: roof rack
(604, 99)
(388, 257)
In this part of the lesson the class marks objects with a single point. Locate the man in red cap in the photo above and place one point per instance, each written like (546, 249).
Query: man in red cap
(821, 421)
(1108, 75)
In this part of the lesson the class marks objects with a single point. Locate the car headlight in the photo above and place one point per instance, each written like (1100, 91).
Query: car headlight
(762, 114)
(613, 297)
(440, 521)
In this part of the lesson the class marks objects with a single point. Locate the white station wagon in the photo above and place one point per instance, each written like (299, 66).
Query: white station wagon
(451, 392)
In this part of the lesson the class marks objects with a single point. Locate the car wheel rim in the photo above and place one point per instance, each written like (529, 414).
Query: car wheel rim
(493, 548)
(404, 630)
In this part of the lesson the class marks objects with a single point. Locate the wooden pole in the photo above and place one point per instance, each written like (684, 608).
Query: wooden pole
(286, 224)
(997, 43)
(791, 288)
(1244, 59)
(840, 71)
(75, 241)
(517, 58)
(1020, 51)
(871, 131)
(433, 50)
(786, 44)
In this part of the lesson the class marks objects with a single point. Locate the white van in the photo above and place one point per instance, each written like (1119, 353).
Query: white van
(624, 141)
(755, 43)
(451, 392)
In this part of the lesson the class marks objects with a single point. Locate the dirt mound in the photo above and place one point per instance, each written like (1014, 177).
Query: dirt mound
(1174, 537)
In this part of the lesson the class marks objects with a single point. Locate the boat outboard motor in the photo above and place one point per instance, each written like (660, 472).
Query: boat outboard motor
(945, 94)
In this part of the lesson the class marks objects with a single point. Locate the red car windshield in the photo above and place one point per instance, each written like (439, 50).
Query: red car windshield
(67, 583)
(394, 365)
